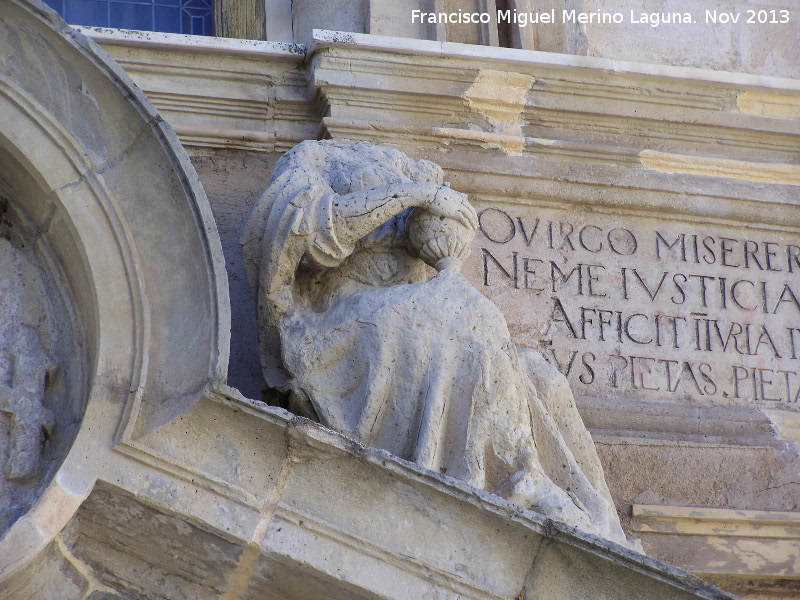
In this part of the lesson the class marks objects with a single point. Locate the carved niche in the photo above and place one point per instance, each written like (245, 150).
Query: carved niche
(39, 366)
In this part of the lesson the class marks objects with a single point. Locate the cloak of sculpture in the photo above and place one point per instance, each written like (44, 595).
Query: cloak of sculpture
(362, 340)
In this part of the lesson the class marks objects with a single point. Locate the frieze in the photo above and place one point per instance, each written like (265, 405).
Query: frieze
(648, 307)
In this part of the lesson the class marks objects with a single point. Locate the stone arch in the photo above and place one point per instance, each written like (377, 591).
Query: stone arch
(99, 186)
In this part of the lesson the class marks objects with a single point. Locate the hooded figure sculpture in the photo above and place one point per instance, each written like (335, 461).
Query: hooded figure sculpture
(352, 328)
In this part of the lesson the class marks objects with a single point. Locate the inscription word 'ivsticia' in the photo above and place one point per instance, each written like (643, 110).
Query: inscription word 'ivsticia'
(659, 309)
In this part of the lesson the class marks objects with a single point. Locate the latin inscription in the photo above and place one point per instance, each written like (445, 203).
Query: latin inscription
(646, 308)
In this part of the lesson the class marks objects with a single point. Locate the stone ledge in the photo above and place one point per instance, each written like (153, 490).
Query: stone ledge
(219, 92)
(327, 39)
(324, 515)
(745, 550)
(334, 506)
(717, 521)
(107, 36)
(570, 98)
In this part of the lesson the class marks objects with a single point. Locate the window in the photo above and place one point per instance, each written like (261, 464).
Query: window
(173, 16)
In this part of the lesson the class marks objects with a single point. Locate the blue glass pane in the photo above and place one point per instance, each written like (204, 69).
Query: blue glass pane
(196, 12)
(167, 18)
(198, 17)
(131, 16)
(173, 16)
(195, 24)
(87, 12)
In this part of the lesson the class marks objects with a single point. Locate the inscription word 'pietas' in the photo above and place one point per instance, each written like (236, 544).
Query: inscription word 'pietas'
(659, 311)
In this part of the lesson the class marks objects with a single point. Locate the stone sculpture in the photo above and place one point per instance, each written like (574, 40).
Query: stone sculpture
(24, 364)
(361, 339)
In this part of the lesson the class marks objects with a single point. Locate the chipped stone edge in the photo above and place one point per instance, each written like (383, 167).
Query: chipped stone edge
(109, 36)
(321, 39)
(307, 440)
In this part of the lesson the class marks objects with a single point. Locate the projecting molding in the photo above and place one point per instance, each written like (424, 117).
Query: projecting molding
(405, 87)
(109, 200)
(723, 542)
(252, 498)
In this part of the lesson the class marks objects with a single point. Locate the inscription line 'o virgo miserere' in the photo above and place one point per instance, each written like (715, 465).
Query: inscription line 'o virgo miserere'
(671, 311)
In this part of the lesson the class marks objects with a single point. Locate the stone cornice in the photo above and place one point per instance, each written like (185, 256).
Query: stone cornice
(569, 98)
(295, 508)
(216, 92)
(256, 95)
(607, 134)
(322, 39)
(724, 522)
(723, 542)
(178, 42)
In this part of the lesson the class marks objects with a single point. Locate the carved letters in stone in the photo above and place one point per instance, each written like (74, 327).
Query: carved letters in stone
(360, 337)
(651, 310)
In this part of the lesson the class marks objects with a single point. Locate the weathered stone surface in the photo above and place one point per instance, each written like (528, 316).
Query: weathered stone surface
(50, 575)
(99, 204)
(586, 136)
(649, 309)
(42, 364)
(359, 338)
(24, 369)
(234, 180)
(181, 560)
(342, 15)
(326, 516)
(267, 483)
(749, 37)
(748, 543)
